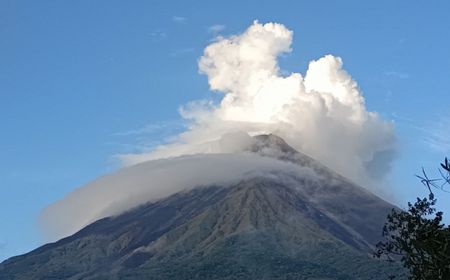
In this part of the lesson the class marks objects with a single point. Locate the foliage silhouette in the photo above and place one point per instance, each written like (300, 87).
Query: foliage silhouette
(417, 237)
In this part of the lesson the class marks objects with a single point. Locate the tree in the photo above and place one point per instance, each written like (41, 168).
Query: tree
(417, 237)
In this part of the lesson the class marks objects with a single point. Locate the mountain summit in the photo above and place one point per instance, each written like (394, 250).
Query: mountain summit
(264, 226)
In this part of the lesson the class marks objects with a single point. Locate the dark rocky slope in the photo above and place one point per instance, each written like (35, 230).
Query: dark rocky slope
(277, 226)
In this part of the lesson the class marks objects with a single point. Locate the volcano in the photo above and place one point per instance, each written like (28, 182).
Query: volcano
(265, 226)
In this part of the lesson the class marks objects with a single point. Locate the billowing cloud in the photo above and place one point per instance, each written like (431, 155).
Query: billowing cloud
(216, 28)
(321, 113)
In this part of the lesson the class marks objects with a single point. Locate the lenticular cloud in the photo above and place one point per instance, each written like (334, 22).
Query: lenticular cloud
(321, 113)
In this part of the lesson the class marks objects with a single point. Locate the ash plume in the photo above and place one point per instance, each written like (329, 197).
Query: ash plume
(321, 113)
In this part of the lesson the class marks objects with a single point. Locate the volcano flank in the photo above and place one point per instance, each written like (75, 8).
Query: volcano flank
(269, 225)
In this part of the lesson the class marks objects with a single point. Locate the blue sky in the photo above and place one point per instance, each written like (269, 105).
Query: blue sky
(83, 81)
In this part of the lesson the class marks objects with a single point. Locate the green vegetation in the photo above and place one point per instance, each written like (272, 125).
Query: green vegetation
(417, 237)
(259, 256)
(260, 228)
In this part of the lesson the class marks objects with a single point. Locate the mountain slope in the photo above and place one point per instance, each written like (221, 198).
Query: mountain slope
(270, 226)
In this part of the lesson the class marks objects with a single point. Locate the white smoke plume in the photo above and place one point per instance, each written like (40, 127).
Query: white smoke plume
(322, 113)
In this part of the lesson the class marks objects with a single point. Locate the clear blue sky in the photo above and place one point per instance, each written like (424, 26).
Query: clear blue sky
(76, 75)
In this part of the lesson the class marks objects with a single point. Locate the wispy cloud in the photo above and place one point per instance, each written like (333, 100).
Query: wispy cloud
(396, 74)
(434, 134)
(216, 28)
(158, 35)
(179, 19)
(438, 136)
(150, 128)
(146, 137)
(157, 127)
